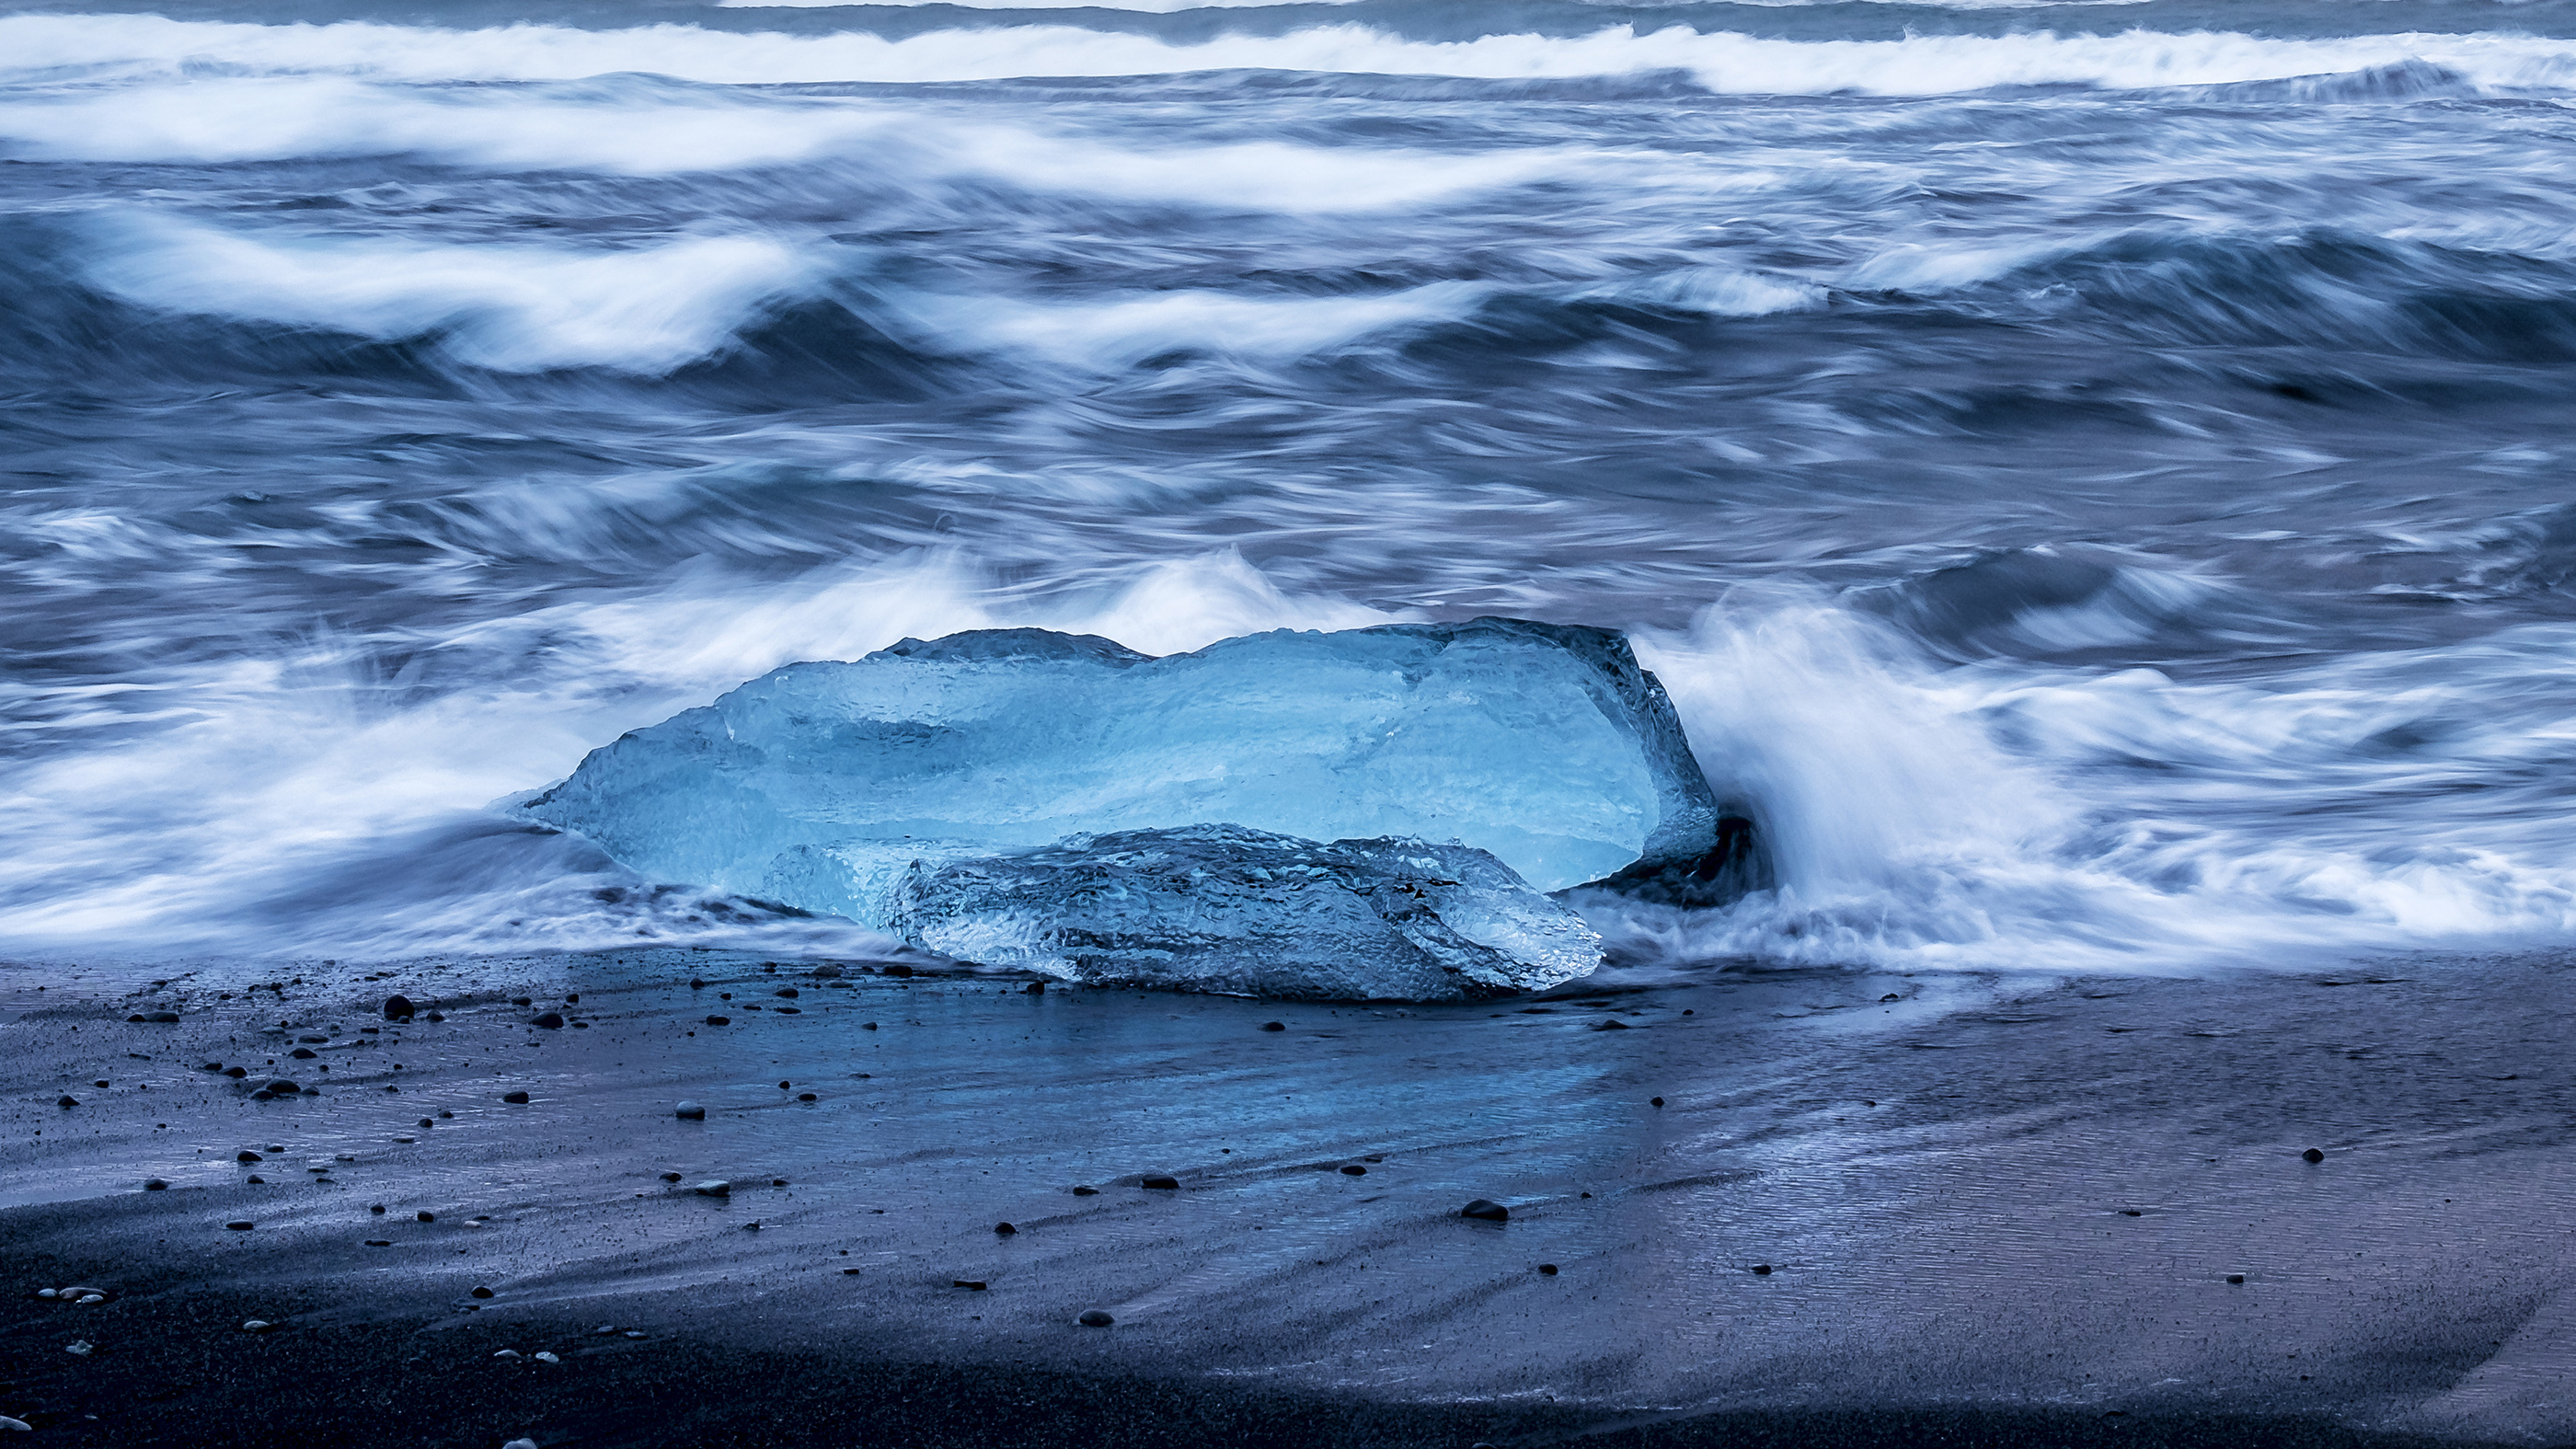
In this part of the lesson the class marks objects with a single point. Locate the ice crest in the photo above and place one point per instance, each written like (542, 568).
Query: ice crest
(1225, 908)
(1544, 745)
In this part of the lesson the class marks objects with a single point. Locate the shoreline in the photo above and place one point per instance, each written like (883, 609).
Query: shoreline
(2015, 1214)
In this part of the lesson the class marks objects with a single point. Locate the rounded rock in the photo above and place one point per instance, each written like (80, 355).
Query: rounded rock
(520, 1444)
(515, 1099)
(424, 1217)
(1161, 1182)
(2235, 1277)
(256, 1325)
(1353, 1169)
(1004, 1230)
(719, 1021)
(551, 1021)
(239, 1226)
(282, 1087)
(154, 1184)
(806, 1097)
(481, 1293)
(67, 1100)
(1094, 1318)
(303, 1054)
(692, 1112)
(713, 1187)
(397, 1007)
(1548, 1268)
(2312, 1155)
(1486, 1210)
(1274, 1026)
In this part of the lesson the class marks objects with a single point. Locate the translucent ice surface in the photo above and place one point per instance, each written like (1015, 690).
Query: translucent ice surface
(820, 784)
(1223, 908)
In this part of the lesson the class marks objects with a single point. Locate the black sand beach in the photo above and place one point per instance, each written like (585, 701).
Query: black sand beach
(2008, 1213)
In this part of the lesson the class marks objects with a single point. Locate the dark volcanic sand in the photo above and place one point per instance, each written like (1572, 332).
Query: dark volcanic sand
(1994, 1213)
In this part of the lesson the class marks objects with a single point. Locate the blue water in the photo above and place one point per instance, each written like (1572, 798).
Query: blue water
(2093, 477)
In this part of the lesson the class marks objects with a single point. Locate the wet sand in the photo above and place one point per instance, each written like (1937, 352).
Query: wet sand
(1991, 1211)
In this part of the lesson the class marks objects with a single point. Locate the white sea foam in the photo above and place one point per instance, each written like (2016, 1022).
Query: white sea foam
(510, 308)
(1123, 331)
(1723, 61)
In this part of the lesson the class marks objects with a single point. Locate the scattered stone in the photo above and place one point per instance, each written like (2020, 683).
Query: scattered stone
(7, 1423)
(256, 1325)
(1004, 1230)
(867, 1026)
(522, 1001)
(256, 1180)
(303, 1054)
(246, 1155)
(1548, 1268)
(79, 1346)
(1094, 1318)
(713, 1187)
(424, 1217)
(239, 1226)
(2312, 1155)
(897, 969)
(1161, 1181)
(377, 1208)
(2235, 1277)
(692, 1112)
(975, 1284)
(66, 1100)
(1654, 1101)
(380, 1242)
(482, 1293)
(1353, 1169)
(1610, 1023)
(719, 1021)
(236, 1073)
(284, 1088)
(1086, 1191)
(1486, 1210)
(435, 1016)
(2131, 1213)
(634, 1333)
(425, 1122)
(520, 1444)
(670, 1177)
(507, 1353)
(1034, 988)
(548, 1358)
(1274, 1026)
(789, 992)
(697, 985)
(154, 1184)
(516, 1099)
(550, 1020)
(805, 1097)
(1762, 1270)
(397, 1007)
(786, 1011)
(1891, 996)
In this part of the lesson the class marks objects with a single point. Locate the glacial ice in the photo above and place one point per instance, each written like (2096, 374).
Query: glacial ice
(818, 785)
(1224, 908)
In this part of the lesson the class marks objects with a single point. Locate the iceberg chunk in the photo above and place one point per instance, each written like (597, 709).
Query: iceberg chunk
(820, 784)
(1225, 908)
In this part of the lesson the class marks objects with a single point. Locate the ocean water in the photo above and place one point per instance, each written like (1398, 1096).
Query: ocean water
(2093, 477)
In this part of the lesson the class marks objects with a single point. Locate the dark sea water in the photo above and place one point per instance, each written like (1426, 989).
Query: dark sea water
(2093, 477)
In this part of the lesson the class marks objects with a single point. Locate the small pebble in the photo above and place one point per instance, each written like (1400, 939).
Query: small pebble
(515, 1098)
(719, 1021)
(1160, 1181)
(1548, 1268)
(1654, 1101)
(380, 1242)
(256, 1325)
(520, 1444)
(692, 1112)
(1610, 1024)
(302, 1054)
(1274, 1026)
(240, 1226)
(1486, 1210)
(1004, 1230)
(66, 1100)
(1086, 1192)
(376, 1207)
(425, 1217)
(397, 1007)
(154, 1184)
(507, 1353)
(2312, 1155)
(1034, 988)
(713, 1187)
(44, 1292)
(256, 1180)
(522, 1001)
(79, 1346)
(551, 1021)
(1762, 1269)
(482, 1293)
(91, 1298)
(2235, 1277)
(1094, 1318)
(548, 1358)
(805, 1097)
(1353, 1169)
(975, 1284)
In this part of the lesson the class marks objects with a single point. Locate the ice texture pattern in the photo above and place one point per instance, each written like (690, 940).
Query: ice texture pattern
(820, 784)
(1225, 908)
